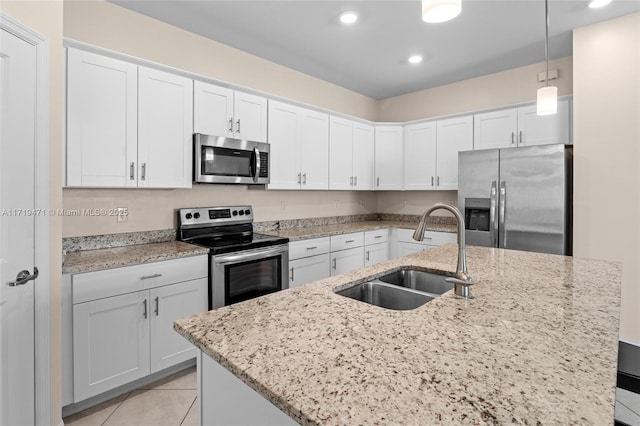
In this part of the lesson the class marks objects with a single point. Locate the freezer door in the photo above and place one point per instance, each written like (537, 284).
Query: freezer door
(533, 207)
(477, 172)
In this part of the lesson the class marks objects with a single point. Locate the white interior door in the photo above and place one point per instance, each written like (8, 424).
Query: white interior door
(17, 229)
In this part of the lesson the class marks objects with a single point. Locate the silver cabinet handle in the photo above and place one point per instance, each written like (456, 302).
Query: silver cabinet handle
(493, 219)
(377, 181)
(355, 180)
(503, 207)
(238, 125)
(432, 181)
(304, 178)
(256, 152)
(299, 177)
(231, 124)
(144, 171)
(291, 277)
(513, 138)
(132, 170)
(312, 248)
(378, 236)
(157, 311)
(351, 181)
(438, 180)
(147, 277)
(367, 256)
(144, 312)
(24, 277)
(350, 241)
(334, 263)
(520, 140)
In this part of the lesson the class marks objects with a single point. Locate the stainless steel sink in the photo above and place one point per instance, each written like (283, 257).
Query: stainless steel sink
(386, 295)
(427, 282)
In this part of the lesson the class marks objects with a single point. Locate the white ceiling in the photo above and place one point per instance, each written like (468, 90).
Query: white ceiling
(370, 57)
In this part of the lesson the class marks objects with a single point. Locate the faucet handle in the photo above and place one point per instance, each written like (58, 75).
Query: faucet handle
(461, 286)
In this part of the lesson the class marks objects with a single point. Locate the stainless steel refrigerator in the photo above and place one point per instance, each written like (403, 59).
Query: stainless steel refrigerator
(518, 198)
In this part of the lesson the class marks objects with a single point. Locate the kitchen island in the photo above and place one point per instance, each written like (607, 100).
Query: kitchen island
(538, 343)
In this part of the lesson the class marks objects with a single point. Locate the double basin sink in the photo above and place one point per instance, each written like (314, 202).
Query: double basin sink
(400, 290)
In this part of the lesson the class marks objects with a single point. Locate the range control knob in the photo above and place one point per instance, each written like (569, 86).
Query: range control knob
(241, 212)
(235, 212)
(247, 212)
(188, 216)
(196, 215)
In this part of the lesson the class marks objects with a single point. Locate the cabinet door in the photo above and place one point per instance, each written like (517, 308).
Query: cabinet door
(363, 156)
(420, 156)
(347, 260)
(340, 153)
(165, 129)
(110, 343)
(101, 121)
(168, 304)
(544, 129)
(314, 149)
(376, 253)
(453, 135)
(496, 129)
(388, 157)
(405, 249)
(283, 138)
(250, 117)
(212, 109)
(308, 269)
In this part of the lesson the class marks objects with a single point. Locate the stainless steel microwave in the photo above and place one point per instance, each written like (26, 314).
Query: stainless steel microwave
(217, 159)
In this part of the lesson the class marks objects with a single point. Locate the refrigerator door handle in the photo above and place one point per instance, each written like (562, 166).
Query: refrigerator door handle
(503, 206)
(493, 218)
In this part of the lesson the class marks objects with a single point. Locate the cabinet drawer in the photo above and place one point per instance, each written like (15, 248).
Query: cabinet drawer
(310, 247)
(377, 236)
(431, 238)
(406, 236)
(347, 241)
(112, 282)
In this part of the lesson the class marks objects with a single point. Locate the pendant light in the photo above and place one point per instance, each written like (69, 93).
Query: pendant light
(547, 96)
(435, 11)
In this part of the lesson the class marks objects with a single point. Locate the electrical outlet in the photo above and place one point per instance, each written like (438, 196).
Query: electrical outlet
(123, 214)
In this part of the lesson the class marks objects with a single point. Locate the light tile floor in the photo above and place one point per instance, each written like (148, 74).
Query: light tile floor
(168, 402)
(627, 407)
(172, 402)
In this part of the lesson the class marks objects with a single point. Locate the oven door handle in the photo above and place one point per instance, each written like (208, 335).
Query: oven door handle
(225, 259)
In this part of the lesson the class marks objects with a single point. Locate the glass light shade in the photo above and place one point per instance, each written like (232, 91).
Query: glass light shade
(594, 4)
(434, 11)
(547, 100)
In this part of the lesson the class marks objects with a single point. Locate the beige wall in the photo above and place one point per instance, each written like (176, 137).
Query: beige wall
(503, 88)
(607, 155)
(45, 17)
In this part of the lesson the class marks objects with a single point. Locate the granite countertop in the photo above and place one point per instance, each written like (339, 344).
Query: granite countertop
(537, 345)
(106, 258)
(303, 233)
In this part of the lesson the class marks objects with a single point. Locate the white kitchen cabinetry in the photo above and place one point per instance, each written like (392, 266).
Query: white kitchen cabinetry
(220, 111)
(351, 149)
(376, 246)
(514, 127)
(309, 261)
(388, 157)
(347, 252)
(299, 141)
(123, 321)
(407, 245)
(431, 153)
(127, 125)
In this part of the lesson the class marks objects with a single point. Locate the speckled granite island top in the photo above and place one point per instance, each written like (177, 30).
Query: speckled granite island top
(95, 260)
(537, 345)
(302, 233)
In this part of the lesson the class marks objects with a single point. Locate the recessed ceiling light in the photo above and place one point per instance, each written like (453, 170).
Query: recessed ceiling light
(594, 4)
(436, 11)
(415, 59)
(348, 17)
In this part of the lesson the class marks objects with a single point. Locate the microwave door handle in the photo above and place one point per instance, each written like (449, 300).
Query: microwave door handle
(493, 218)
(256, 153)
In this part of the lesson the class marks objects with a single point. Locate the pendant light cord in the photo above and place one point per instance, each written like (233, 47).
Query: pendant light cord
(546, 38)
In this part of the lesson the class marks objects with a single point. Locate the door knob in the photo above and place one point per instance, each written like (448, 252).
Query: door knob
(23, 277)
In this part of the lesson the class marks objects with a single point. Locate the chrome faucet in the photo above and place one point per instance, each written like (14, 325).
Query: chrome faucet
(461, 279)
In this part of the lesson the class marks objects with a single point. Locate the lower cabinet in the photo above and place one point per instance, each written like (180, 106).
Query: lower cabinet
(308, 269)
(121, 335)
(376, 253)
(407, 245)
(344, 261)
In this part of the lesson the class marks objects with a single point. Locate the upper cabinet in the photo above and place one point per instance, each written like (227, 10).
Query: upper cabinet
(388, 157)
(431, 153)
(351, 149)
(299, 140)
(127, 125)
(220, 111)
(514, 127)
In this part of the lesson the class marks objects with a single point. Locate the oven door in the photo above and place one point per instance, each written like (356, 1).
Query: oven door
(247, 274)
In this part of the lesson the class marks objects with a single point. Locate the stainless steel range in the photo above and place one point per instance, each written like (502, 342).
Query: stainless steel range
(242, 264)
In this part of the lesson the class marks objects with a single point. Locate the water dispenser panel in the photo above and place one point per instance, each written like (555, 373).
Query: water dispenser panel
(476, 214)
